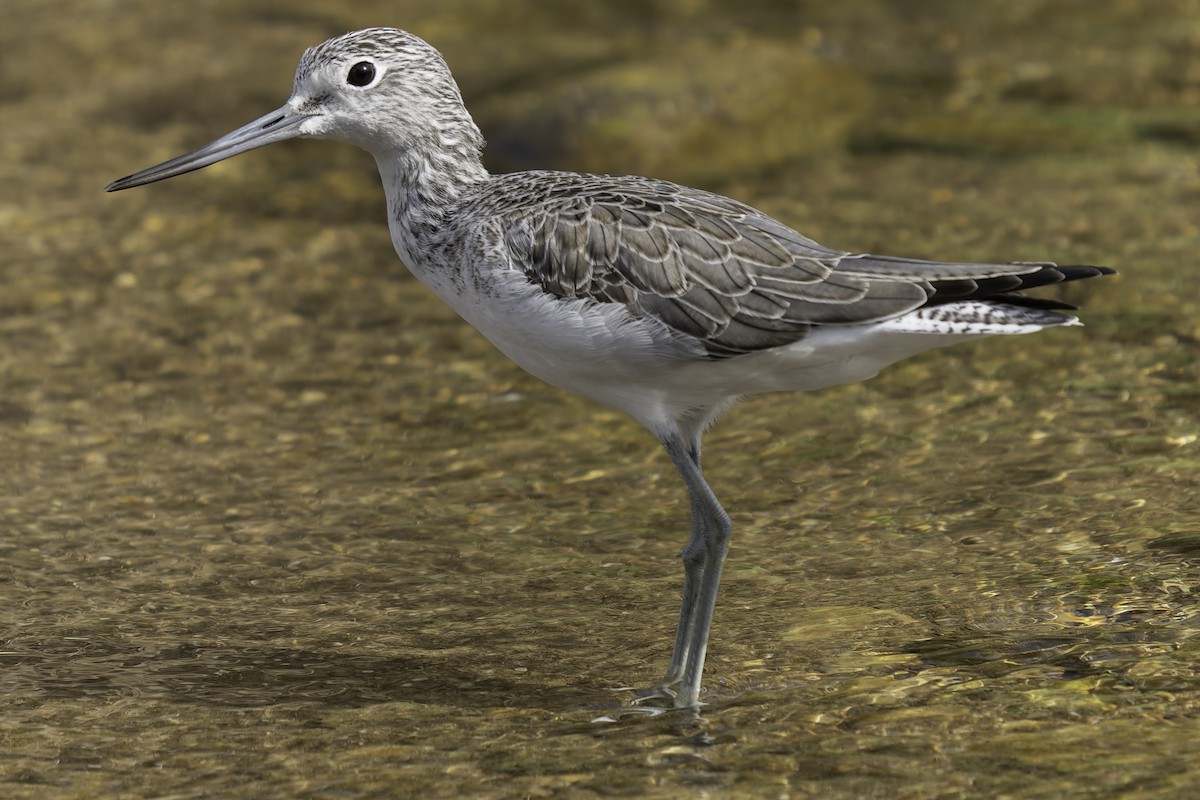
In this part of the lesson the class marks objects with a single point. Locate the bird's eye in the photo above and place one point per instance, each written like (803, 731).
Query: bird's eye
(361, 74)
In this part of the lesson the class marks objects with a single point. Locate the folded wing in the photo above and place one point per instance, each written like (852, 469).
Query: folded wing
(730, 276)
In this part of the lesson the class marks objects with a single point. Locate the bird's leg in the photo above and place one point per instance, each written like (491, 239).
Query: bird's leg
(694, 557)
(703, 559)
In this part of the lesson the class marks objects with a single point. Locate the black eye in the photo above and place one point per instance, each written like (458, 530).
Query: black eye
(361, 74)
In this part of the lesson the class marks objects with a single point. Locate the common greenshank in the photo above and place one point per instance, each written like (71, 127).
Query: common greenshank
(666, 302)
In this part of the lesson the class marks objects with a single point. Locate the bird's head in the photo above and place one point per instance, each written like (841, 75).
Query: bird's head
(382, 89)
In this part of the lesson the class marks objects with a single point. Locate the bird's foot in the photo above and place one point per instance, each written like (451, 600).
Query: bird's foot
(663, 702)
(660, 698)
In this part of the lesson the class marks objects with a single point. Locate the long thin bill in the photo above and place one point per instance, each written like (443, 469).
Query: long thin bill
(283, 123)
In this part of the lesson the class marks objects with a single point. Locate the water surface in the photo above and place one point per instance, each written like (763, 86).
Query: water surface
(276, 524)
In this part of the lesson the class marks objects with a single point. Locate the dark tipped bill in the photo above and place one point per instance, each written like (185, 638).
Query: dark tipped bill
(280, 124)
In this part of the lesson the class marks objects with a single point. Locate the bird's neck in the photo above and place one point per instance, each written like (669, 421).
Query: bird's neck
(424, 186)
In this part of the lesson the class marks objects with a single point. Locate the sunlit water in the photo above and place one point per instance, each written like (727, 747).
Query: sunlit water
(277, 524)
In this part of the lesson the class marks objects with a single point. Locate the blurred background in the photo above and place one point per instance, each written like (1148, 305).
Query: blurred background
(273, 522)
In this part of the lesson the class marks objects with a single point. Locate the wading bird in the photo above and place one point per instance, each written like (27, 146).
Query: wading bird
(666, 302)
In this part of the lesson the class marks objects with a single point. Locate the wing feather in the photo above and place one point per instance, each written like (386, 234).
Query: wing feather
(717, 270)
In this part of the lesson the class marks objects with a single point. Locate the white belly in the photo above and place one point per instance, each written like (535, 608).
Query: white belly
(601, 351)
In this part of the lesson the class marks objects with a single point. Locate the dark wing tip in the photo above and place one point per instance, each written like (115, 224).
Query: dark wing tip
(1006, 288)
(1074, 272)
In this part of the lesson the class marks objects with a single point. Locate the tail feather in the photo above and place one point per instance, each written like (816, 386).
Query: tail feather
(977, 317)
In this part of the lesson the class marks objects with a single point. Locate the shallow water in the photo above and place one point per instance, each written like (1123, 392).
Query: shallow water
(275, 524)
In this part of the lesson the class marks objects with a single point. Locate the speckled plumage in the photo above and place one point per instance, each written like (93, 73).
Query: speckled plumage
(667, 302)
(718, 270)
